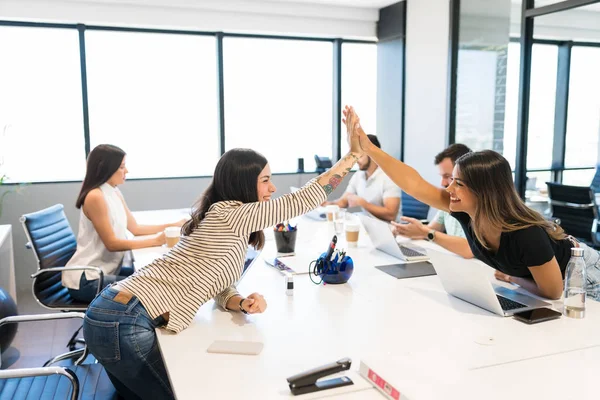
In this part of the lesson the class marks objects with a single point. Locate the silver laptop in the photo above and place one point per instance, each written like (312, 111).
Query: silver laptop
(469, 281)
(317, 214)
(383, 239)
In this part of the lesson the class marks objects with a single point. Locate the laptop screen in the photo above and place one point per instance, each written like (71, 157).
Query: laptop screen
(251, 256)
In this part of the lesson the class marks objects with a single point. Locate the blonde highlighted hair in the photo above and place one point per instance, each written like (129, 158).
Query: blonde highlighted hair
(488, 176)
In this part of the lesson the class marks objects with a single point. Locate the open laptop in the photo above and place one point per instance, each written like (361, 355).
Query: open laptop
(469, 281)
(383, 239)
(251, 256)
(317, 214)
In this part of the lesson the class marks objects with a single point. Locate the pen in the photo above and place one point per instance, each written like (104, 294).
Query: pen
(331, 248)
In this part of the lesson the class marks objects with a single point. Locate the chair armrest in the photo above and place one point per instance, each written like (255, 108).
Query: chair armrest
(40, 317)
(44, 371)
(15, 319)
(61, 269)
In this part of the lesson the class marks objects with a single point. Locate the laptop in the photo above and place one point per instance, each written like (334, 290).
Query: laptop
(317, 214)
(251, 256)
(383, 239)
(469, 281)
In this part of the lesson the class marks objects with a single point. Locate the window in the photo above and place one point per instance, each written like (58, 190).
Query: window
(536, 181)
(583, 122)
(477, 72)
(541, 105)
(278, 99)
(511, 113)
(578, 177)
(41, 112)
(359, 85)
(159, 89)
(544, 63)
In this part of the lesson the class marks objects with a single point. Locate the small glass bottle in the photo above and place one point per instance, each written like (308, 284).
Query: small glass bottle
(575, 281)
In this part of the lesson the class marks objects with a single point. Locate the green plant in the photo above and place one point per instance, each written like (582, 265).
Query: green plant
(14, 189)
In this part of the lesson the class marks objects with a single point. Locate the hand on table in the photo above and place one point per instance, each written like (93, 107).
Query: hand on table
(501, 276)
(254, 304)
(354, 200)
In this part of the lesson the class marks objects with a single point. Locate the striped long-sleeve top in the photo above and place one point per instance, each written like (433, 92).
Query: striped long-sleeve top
(206, 263)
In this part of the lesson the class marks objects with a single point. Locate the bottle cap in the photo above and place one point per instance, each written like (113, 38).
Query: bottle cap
(577, 251)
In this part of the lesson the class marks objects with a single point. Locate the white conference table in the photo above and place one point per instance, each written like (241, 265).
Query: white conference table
(373, 317)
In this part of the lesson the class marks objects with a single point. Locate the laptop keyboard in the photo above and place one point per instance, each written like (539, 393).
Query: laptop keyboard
(508, 304)
(410, 252)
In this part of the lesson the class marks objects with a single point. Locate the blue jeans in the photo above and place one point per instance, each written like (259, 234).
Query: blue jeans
(89, 289)
(122, 337)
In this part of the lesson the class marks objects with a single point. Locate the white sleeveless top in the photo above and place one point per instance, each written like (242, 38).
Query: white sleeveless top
(91, 251)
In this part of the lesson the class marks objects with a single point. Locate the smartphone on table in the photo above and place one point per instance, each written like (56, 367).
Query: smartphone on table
(537, 315)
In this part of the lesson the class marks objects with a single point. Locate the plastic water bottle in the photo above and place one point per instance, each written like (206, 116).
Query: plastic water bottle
(575, 281)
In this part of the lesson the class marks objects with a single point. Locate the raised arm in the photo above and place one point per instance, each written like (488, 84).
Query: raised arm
(252, 217)
(407, 178)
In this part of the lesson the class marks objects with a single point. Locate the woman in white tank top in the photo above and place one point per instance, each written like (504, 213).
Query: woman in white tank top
(103, 224)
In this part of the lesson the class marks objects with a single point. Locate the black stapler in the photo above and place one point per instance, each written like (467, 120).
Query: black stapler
(306, 382)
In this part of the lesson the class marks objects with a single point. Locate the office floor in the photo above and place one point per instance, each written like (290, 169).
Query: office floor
(37, 342)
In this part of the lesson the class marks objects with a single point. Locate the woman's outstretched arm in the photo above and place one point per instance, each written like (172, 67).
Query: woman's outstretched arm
(406, 177)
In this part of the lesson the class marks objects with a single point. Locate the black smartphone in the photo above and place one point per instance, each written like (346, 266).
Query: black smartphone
(537, 315)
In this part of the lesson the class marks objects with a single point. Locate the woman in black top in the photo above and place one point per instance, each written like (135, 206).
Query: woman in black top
(501, 230)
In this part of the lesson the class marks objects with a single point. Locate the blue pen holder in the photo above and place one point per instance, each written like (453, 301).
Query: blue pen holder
(336, 271)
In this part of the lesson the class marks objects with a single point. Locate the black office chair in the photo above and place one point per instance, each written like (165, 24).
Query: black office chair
(77, 382)
(413, 208)
(53, 243)
(577, 211)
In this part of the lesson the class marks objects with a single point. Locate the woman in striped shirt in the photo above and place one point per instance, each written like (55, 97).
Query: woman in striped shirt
(119, 327)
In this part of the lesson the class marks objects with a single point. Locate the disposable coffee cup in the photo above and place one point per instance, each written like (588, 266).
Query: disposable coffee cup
(172, 234)
(330, 210)
(352, 231)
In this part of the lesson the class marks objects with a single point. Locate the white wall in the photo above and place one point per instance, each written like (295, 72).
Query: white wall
(426, 84)
(269, 17)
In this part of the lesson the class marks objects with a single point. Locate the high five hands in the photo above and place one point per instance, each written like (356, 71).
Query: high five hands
(357, 138)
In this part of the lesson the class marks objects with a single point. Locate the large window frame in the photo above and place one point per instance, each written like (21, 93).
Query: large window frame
(528, 13)
(563, 81)
(82, 28)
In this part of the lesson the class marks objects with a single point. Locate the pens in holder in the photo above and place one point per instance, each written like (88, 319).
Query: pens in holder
(285, 227)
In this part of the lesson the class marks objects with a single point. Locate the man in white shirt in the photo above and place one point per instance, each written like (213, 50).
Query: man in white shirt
(371, 189)
(454, 237)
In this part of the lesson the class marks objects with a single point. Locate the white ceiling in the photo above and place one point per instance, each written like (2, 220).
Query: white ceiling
(345, 3)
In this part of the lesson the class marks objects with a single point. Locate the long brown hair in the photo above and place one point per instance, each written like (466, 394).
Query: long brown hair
(235, 178)
(488, 176)
(104, 160)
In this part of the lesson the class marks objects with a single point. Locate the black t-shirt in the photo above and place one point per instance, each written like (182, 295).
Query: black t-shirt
(518, 250)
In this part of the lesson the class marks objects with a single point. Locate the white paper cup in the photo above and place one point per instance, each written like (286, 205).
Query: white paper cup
(352, 232)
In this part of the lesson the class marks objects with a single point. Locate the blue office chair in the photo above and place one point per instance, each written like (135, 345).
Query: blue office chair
(413, 208)
(75, 382)
(595, 185)
(53, 243)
